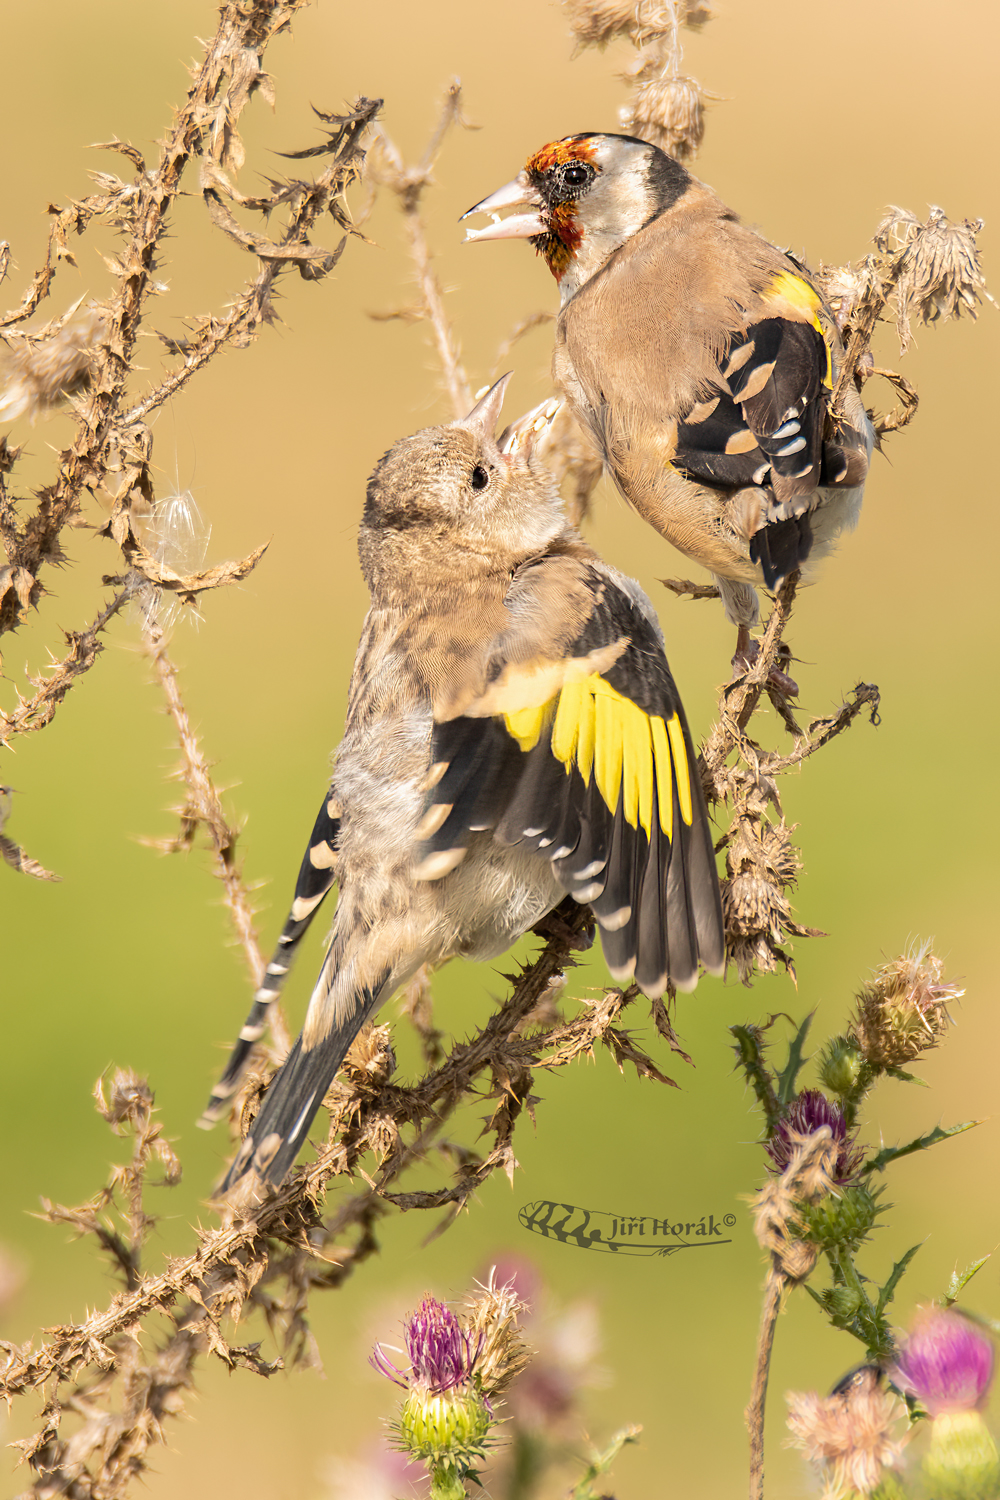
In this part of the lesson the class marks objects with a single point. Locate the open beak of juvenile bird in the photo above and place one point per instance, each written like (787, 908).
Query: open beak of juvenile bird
(485, 415)
(515, 226)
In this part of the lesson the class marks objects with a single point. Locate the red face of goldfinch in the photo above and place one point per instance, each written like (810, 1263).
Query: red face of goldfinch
(589, 194)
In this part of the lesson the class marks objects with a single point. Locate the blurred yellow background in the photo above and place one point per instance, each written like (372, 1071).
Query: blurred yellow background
(825, 115)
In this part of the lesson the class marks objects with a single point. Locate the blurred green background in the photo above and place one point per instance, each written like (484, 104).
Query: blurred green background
(824, 115)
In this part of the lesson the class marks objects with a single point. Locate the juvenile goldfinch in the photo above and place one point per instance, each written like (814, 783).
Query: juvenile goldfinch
(700, 357)
(513, 734)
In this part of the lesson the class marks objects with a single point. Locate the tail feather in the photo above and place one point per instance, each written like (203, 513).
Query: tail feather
(316, 878)
(781, 547)
(294, 1097)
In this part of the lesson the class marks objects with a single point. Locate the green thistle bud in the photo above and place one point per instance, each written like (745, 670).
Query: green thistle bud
(453, 1425)
(843, 1221)
(841, 1066)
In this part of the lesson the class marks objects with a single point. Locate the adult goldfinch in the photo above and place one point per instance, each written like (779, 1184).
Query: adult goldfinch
(700, 357)
(513, 734)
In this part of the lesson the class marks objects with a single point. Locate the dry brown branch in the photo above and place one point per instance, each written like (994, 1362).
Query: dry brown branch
(277, 1253)
(203, 809)
(84, 648)
(308, 201)
(387, 169)
(684, 588)
(762, 862)
(94, 355)
(807, 1179)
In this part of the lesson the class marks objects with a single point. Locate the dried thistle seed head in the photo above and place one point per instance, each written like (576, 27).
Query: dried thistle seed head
(850, 1437)
(130, 1099)
(42, 369)
(595, 23)
(842, 290)
(807, 1179)
(669, 112)
(939, 270)
(903, 1009)
(809, 1113)
(946, 1362)
(371, 1061)
(491, 1317)
(761, 864)
(180, 535)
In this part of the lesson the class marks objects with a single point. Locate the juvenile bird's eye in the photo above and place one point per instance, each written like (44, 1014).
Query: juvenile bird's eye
(480, 477)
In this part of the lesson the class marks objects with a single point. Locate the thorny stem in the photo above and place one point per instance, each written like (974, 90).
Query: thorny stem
(253, 305)
(408, 184)
(230, 1260)
(754, 1414)
(34, 713)
(203, 807)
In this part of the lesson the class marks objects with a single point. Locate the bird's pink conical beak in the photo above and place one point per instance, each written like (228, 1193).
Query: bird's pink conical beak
(517, 226)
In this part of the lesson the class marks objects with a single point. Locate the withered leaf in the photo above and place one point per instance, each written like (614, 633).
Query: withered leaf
(124, 148)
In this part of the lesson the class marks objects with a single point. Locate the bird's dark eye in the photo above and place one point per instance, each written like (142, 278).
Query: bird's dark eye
(480, 477)
(576, 176)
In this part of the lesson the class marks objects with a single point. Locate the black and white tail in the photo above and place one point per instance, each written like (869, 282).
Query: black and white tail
(296, 1093)
(317, 875)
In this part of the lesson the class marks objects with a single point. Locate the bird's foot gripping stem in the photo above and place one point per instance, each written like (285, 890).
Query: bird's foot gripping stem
(747, 652)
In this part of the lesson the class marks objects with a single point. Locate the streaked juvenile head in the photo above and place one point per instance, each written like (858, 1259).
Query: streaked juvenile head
(451, 497)
(590, 193)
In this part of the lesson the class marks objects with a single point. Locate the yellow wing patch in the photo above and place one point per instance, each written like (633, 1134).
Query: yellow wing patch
(605, 735)
(803, 302)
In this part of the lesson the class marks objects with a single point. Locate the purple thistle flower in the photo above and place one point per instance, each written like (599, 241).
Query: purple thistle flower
(946, 1362)
(805, 1115)
(441, 1355)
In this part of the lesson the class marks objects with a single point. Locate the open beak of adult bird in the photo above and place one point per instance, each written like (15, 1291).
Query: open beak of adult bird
(515, 226)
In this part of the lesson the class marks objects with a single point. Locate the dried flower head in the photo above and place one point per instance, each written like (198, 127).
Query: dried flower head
(903, 1009)
(669, 112)
(491, 1317)
(946, 1362)
(807, 1179)
(43, 369)
(939, 270)
(595, 23)
(807, 1114)
(762, 863)
(849, 1436)
(131, 1098)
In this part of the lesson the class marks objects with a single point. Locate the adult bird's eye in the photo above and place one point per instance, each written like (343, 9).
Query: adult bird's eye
(575, 176)
(480, 477)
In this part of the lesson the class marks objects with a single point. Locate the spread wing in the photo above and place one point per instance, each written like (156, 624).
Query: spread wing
(585, 757)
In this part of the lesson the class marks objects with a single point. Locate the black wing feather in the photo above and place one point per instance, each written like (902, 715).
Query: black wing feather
(659, 893)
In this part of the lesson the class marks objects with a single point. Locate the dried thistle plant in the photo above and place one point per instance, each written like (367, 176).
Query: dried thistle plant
(823, 1205)
(106, 1370)
(273, 1260)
